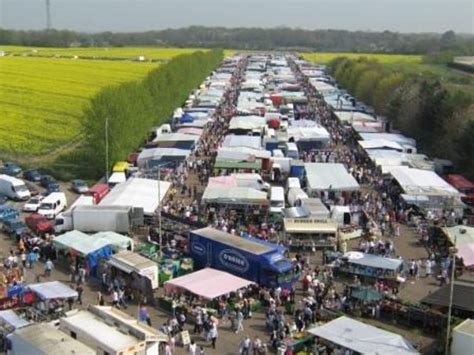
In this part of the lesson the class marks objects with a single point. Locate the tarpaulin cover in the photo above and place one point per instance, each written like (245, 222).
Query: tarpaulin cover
(52, 290)
(328, 176)
(363, 338)
(186, 118)
(207, 283)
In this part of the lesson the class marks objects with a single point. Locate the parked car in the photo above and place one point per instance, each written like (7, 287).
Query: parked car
(46, 180)
(33, 204)
(52, 187)
(32, 188)
(7, 212)
(79, 186)
(10, 168)
(3, 199)
(39, 224)
(14, 227)
(32, 175)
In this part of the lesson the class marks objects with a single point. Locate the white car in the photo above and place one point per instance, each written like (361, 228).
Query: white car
(32, 205)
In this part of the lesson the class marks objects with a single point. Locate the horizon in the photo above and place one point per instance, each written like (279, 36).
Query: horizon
(127, 16)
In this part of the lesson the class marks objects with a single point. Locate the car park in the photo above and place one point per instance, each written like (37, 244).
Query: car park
(32, 175)
(79, 186)
(46, 180)
(10, 168)
(33, 204)
(14, 227)
(7, 212)
(52, 187)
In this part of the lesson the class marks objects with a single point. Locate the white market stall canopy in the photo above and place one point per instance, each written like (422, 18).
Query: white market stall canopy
(316, 133)
(373, 261)
(242, 153)
(234, 195)
(52, 290)
(394, 137)
(208, 283)
(117, 178)
(82, 243)
(363, 338)
(138, 193)
(381, 144)
(247, 122)
(329, 176)
(422, 182)
(242, 141)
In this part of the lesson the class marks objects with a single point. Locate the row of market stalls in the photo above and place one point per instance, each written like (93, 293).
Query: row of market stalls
(393, 153)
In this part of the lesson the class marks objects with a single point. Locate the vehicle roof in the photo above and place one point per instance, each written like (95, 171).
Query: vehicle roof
(245, 244)
(11, 179)
(53, 196)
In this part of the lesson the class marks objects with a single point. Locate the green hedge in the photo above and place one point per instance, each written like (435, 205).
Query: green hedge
(134, 107)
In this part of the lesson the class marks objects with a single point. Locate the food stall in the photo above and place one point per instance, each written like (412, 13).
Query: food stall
(370, 266)
(311, 233)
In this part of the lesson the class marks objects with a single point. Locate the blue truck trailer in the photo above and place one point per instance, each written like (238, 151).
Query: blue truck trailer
(249, 258)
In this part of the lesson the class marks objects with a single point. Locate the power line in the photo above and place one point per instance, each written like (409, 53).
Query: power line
(48, 15)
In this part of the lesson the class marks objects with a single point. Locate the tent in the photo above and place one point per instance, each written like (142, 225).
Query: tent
(52, 290)
(366, 294)
(463, 293)
(207, 283)
(329, 177)
(463, 238)
(362, 338)
(117, 241)
(242, 141)
(373, 261)
(138, 193)
(147, 156)
(130, 262)
(235, 195)
(422, 182)
(86, 246)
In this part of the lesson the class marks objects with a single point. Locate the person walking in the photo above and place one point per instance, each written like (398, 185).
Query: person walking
(79, 290)
(213, 334)
(32, 257)
(245, 346)
(115, 299)
(256, 346)
(239, 318)
(100, 298)
(48, 267)
(192, 348)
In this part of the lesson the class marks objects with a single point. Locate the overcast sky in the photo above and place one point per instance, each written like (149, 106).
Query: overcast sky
(138, 15)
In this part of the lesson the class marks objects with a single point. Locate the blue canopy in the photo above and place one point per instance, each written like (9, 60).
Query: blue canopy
(186, 118)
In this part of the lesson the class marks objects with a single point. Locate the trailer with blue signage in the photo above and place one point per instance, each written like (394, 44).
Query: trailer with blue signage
(252, 259)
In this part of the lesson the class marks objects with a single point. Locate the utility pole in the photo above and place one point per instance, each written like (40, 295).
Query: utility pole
(106, 150)
(452, 253)
(48, 15)
(160, 232)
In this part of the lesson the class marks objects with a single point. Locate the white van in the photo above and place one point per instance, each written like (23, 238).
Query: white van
(53, 204)
(13, 188)
(292, 182)
(292, 151)
(277, 199)
(295, 196)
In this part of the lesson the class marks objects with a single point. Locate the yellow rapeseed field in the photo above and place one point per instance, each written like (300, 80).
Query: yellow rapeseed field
(41, 99)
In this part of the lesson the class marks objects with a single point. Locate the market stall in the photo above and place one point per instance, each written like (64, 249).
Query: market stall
(370, 266)
(49, 300)
(79, 248)
(361, 338)
(138, 272)
(311, 233)
(204, 287)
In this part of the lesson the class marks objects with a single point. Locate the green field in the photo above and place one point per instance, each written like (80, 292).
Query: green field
(149, 53)
(41, 99)
(324, 58)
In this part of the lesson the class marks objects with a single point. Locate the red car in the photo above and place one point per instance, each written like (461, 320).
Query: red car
(464, 186)
(39, 224)
(98, 192)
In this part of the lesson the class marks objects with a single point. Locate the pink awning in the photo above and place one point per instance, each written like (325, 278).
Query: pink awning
(207, 283)
(222, 181)
(466, 252)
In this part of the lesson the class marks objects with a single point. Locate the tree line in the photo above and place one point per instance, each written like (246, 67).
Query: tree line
(252, 39)
(440, 118)
(132, 108)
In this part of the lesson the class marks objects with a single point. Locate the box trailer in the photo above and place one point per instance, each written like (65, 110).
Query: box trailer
(250, 258)
(93, 218)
